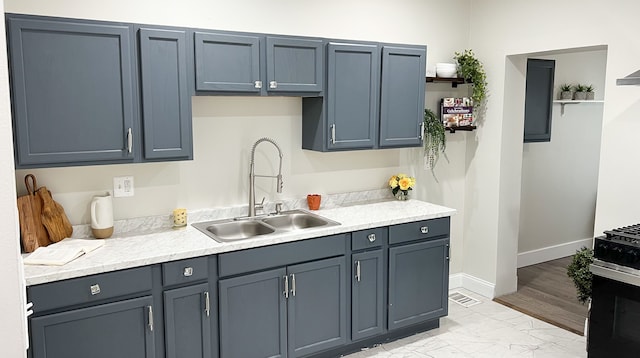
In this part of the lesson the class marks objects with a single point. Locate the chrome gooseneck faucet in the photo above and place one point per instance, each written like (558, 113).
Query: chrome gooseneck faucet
(252, 175)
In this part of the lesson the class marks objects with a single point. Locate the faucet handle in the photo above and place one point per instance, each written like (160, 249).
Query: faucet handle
(278, 208)
(261, 205)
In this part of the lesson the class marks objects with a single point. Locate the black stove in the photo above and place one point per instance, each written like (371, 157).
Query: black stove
(619, 246)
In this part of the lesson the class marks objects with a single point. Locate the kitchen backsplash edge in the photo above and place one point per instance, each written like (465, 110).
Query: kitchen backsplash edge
(162, 222)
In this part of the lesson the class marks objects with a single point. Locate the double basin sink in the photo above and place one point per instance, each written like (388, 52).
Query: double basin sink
(231, 230)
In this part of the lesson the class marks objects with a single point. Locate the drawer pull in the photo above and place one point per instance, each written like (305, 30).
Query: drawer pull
(95, 289)
(371, 237)
(424, 229)
(188, 271)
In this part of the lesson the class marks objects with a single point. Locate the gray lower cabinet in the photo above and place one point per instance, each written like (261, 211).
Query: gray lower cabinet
(367, 293)
(188, 314)
(402, 96)
(118, 329)
(285, 312)
(227, 62)
(294, 65)
(418, 282)
(166, 97)
(72, 86)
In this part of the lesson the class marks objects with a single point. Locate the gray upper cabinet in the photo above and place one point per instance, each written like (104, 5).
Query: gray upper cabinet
(72, 91)
(347, 116)
(166, 97)
(352, 95)
(402, 96)
(227, 62)
(294, 65)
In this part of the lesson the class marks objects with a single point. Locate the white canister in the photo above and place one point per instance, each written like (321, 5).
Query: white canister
(102, 216)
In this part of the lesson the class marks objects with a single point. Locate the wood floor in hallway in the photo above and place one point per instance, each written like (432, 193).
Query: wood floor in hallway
(547, 293)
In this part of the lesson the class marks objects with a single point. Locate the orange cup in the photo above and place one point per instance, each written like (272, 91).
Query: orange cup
(313, 200)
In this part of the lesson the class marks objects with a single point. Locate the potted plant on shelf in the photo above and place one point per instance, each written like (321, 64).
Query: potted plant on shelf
(565, 91)
(578, 271)
(580, 92)
(434, 137)
(590, 92)
(471, 69)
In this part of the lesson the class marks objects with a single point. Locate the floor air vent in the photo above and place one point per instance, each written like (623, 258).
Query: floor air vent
(462, 299)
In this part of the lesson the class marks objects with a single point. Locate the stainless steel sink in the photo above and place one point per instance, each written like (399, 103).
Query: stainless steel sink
(230, 230)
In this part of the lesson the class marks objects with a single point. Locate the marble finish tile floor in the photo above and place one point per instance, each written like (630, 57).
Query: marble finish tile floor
(488, 330)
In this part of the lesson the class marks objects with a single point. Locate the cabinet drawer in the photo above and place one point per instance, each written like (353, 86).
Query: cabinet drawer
(262, 258)
(370, 238)
(88, 289)
(183, 271)
(419, 230)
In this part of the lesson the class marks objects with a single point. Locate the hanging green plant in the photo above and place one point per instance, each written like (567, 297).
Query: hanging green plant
(578, 271)
(471, 69)
(434, 137)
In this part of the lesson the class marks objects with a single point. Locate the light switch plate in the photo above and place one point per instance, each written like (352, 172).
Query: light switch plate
(122, 186)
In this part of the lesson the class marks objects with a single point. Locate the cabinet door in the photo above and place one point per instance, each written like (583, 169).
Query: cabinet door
(294, 65)
(402, 96)
(119, 329)
(187, 319)
(538, 100)
(72, 92)
(418, 282)
(166, 101)
(317, 306)
(367, 294)
(352, 96)
(227, 63)
(253, 315)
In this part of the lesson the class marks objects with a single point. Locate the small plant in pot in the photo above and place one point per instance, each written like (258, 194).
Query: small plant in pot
(590, 92)
(580, 92)
(434, 137)
(565, 91)
(578, 271)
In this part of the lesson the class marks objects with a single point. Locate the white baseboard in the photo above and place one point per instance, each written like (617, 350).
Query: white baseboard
(552, 252)
(472, 283)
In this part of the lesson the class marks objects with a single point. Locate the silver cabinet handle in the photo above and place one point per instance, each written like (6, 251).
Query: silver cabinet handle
(95, 289)
(207, 303)
(371, 237)
(150, 311)
(421, 129)
(358, 270)
(273, 84)
(257, 84)
(424, 229)
(188, 271)
(293, 285)
(333, 134)
(448, 252)
(286, 286)
(129, 140)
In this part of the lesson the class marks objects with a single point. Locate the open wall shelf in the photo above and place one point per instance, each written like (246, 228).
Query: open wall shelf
(564, 102)
(455, 81)
(461, 128)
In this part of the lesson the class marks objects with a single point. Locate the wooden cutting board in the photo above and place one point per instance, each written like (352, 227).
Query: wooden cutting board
(54, 218)
(33, 232)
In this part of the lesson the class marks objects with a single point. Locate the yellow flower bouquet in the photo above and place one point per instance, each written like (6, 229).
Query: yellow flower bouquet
(400, 185)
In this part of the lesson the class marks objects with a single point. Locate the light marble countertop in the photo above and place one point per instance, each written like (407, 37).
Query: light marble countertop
(127, 250)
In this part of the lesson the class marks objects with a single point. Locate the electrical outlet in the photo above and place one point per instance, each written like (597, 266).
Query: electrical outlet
(122, 186)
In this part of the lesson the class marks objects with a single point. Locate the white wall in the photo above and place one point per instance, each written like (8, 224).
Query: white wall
(560, 177)
(500, 29)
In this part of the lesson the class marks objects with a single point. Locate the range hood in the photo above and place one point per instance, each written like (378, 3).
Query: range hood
(631, 80)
